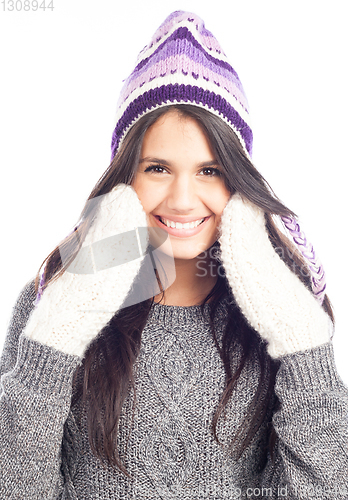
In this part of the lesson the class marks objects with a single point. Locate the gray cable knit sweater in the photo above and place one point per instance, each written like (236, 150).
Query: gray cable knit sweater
(45, 454)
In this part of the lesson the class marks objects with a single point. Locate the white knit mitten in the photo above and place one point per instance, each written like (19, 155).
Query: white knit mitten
(75, 307)
(271, 297)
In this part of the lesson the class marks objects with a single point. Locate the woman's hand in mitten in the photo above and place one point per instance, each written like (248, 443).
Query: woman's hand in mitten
(272, 298)
(75, 307)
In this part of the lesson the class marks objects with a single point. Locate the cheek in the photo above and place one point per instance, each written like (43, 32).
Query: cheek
(149, 200)
(143, 193)
(221, 200)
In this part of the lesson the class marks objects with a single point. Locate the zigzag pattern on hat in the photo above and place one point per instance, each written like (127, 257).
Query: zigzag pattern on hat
(183, 63)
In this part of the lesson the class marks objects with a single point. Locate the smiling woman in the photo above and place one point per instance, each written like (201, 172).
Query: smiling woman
(220, 383)
(182, 194)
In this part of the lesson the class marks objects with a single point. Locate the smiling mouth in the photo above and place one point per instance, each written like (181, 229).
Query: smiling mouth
(180, 225)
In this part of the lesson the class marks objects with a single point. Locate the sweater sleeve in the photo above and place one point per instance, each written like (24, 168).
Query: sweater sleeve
(311, 423)
(35, 398)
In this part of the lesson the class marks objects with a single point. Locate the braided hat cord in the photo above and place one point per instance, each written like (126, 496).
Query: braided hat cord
(318, 276)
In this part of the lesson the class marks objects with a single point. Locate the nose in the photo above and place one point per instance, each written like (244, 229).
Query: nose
(182, 196)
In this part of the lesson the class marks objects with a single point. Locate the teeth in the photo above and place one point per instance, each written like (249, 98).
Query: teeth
(180, 225)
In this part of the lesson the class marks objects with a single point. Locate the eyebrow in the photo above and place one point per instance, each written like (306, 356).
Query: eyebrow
(152, 159)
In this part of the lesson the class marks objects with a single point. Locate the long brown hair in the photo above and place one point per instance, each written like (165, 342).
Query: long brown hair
(106, 372)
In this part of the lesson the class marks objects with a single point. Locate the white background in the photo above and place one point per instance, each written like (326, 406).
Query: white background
(61, 73)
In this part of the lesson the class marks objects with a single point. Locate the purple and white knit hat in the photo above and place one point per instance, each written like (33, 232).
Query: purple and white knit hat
(183, 63)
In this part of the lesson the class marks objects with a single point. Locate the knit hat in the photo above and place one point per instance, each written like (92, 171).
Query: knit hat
(183, 63)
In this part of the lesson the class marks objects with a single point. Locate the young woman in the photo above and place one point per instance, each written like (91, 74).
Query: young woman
(176, 344)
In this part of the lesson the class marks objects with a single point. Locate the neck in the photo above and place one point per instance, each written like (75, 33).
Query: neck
(195, 278)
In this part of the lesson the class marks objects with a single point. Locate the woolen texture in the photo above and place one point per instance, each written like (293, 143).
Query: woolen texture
(183, 64)
(271, 296)
(93, 288)
(45, 453)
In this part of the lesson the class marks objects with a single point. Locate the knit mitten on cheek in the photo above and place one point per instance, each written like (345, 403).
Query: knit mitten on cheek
(74, 308)
(271, 297)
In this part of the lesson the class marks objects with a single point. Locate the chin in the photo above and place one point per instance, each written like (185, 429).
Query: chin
(185, 256)
(190, 253)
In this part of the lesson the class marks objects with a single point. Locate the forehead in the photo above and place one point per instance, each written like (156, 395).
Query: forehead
(176, 134)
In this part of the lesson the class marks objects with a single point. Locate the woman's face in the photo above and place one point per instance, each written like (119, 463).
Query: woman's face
(179, 180)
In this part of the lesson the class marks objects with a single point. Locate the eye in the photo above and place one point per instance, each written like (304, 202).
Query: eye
(212, 172)
(155, 169)
(206, 172)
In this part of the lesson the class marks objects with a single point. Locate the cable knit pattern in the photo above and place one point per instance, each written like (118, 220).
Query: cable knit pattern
(44, 448)
(74, 308)
(270, 295)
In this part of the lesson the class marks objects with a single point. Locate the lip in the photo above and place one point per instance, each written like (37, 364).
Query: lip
(182, 233)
